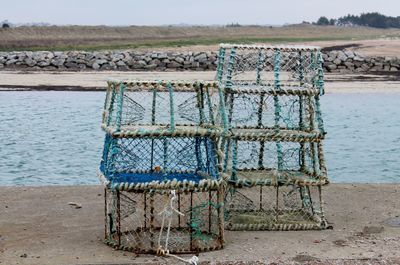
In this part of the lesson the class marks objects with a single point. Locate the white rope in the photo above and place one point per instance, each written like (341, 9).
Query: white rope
(167, 212)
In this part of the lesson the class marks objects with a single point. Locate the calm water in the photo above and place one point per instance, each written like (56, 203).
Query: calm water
(55, 138)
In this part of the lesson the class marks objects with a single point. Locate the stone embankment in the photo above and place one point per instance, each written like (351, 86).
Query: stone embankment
(334, 61)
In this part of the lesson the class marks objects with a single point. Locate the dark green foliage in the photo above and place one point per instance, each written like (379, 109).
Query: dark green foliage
(374, 20)
(233, 25)
(323, 21)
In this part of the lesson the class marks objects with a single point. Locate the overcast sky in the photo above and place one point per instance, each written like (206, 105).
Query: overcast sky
(161, 12)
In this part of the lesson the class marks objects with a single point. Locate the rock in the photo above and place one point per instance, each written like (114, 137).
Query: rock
(75, 204)
(200, 57)
(150, 66)
(116, 57)
(171, 61)
(105, 66)
(365, 66)
(375, 69)
(333, 54)
(349, 64)
(11, 56)
(174, 64)
(331, 66)
(30, 62)
(358, 58)
(38, 56)
(95, 66)
(156, 62)
(342, 56)
(101, 61)
(139, 64)
(71, 65)
(49, 55)
(349, 54)
(179, 60)
(120, 63)
(44, 63)
(12, 61)
(162, 55)
(337, 61)
(57, 61)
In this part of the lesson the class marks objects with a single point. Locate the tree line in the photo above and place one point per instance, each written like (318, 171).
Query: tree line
(375, 20)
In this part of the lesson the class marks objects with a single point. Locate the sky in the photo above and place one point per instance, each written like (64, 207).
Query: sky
(204, 12)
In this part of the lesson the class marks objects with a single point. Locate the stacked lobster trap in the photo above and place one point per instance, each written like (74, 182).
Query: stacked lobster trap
(164, 188)
(182, 161)
(274, 151)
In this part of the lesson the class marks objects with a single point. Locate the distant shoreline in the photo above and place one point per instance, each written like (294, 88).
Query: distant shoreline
(91, 81)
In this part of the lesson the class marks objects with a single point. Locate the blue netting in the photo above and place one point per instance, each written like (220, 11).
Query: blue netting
(137, 160)
(154, 176)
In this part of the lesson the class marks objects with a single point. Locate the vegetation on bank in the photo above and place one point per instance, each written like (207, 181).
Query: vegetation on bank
(374, 20)
(101, 37)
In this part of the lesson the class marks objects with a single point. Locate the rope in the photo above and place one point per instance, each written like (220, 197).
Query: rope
(167, 212)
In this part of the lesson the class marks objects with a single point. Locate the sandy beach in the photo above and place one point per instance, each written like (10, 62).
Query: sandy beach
(38, 226)
(92, 81)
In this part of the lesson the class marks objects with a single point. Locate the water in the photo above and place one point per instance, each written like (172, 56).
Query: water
(55, 137)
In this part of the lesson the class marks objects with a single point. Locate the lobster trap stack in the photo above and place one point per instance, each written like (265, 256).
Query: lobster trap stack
(274, 151)
(164, 187)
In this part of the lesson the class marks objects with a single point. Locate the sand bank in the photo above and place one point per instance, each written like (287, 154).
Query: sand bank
(93, 81)
(38, 226)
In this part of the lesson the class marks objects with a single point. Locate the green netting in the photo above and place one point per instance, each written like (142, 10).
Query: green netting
(274, 151)
(134, 221)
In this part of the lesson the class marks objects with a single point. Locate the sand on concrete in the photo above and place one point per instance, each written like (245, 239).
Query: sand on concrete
(38, 226)
(92, 80)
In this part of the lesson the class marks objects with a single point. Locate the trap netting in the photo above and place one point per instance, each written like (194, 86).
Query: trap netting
(160, 160)
(256, 66)
(162, 132)
(290, 109)
(290, 207)
(161, 166)
(276, 132)
(268, 163)
(154, 221)
(143, 107)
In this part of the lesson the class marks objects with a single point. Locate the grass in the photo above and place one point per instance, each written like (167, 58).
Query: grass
(114, 38)
(169, 43)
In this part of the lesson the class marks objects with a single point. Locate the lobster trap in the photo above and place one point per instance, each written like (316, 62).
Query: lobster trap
(277, 208)
(161, 166)
(275, 185)
(145, 221)
(276, 132)
(253, 66)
